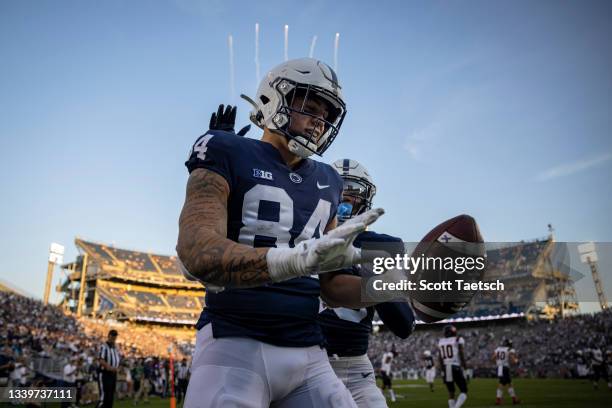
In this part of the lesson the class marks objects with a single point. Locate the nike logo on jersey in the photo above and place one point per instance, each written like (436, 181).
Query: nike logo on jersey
(366, 375)
(321, 187)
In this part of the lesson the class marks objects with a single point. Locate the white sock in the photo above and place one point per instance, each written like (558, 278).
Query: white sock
(451, 403)
(392, 393)
(511, 392)
(460, 400)
(500, 393)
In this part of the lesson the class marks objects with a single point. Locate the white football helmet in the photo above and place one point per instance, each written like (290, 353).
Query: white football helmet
(427, 353)
(358, 184)
(307, 77)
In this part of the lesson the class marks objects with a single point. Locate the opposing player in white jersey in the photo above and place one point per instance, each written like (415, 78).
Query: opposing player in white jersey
(386, 374)
(503, 356)
(430, 369)
(258, 226)
(452, 363)
(599, 367)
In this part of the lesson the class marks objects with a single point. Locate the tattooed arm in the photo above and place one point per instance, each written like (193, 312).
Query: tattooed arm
(203, 246)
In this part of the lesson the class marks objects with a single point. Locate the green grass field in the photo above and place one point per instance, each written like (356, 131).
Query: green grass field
(533, 393)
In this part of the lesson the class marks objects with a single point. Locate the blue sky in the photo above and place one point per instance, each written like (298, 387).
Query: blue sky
(502, 110)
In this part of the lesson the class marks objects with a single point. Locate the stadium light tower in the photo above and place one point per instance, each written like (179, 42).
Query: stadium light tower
(82, 286)
(56, 256)
(588, 255)
(551, 232)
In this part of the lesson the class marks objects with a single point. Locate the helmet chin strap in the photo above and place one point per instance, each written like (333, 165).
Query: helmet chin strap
(296, 146)
(256, 115)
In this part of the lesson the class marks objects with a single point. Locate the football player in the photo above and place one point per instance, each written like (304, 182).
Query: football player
(599, 368)
(386, 373)
(452, 363)
(608, 366)
(430, 369)
(257, 227)
(503, 356)
(346, 330)
(581, 365)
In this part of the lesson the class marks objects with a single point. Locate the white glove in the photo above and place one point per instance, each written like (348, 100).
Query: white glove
(331, 252)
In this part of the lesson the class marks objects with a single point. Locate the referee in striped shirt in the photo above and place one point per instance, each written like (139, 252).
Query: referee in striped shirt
(108, 360)
(183, 380)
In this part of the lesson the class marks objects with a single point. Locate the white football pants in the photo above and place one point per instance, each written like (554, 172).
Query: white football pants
(246, 373)
(357, 374)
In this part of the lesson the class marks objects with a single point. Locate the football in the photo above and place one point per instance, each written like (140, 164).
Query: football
(453, 255)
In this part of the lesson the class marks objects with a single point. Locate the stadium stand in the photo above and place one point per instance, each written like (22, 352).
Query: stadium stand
(529, 276)
(138, 285)
(546, 348)
(133, 259)
(130, 285)
(167, 264)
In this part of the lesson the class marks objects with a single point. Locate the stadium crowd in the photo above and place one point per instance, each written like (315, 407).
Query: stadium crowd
(545, 348)
(39, 344)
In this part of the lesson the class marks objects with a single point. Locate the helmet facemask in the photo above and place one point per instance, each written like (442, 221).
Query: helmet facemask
(307, 142)
(357, 196)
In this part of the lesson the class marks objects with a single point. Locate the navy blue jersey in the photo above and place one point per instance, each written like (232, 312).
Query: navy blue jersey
(269, 205)
(347, 330)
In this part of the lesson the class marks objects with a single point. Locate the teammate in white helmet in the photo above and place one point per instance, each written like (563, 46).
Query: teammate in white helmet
(347, 330)
(387, 374)
(430, 369)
